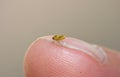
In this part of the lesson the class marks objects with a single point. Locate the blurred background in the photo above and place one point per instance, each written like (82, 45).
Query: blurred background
(22, 21)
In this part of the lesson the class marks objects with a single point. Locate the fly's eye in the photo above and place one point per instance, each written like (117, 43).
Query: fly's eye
(58, 37)
(55, 37)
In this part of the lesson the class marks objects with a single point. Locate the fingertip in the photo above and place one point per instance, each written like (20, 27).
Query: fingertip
(46, 59)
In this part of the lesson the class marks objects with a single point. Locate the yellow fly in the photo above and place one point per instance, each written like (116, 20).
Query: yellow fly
(58, 37)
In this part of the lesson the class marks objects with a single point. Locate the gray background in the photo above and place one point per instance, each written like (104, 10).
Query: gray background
(22, 21)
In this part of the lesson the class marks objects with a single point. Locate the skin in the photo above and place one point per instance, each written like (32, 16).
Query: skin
(46, 59)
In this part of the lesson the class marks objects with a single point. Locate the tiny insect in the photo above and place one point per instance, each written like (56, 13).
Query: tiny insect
(58, 37)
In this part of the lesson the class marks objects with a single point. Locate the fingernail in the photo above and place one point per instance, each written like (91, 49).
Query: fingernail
(94, 51)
